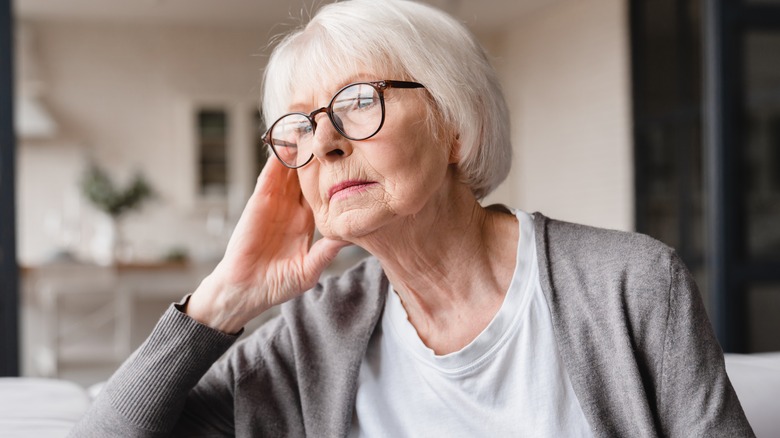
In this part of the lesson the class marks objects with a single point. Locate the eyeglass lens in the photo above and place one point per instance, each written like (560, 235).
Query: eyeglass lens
(356, 112)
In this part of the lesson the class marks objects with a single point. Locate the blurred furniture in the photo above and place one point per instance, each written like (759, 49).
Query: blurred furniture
(49, 407)
(39, 407)
(88, 313)
(83, 315)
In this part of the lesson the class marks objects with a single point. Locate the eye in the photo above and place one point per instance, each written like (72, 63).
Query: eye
(303, 129)
(290, 129)
(355, 97)
(364, 102)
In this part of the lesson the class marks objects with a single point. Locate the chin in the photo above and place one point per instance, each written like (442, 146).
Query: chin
(352, 225)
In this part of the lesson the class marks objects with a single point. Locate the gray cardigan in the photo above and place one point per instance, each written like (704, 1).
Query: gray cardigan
(628, 320)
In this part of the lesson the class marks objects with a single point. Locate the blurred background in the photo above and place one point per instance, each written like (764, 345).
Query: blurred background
(137, 130)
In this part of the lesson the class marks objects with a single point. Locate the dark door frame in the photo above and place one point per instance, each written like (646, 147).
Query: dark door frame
(9, 271)
(726, 24)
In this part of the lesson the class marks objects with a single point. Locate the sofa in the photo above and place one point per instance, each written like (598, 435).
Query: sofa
(31, 407)
(756, 379)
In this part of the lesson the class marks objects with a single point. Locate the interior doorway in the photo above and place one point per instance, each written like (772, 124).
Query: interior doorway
(706, 87)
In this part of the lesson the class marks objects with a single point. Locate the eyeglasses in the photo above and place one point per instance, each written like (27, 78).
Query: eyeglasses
(357, 111)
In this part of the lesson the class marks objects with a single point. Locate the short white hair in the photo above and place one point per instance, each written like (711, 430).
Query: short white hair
(419, 43)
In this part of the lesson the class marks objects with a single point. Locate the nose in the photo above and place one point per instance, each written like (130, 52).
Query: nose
(328, 144)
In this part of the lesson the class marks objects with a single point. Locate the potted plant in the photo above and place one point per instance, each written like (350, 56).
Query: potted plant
(100, 190)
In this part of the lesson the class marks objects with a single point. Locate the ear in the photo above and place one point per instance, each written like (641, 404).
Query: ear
(454, 149)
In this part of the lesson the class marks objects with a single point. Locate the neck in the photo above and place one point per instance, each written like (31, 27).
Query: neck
(451, 264)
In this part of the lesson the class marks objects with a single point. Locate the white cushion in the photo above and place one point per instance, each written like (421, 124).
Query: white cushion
(756, 379)
(49, 408)
(32, 407)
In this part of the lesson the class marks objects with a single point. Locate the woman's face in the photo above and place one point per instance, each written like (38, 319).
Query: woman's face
(358, 187)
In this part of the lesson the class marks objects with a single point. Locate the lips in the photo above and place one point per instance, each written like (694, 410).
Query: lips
(348, 186)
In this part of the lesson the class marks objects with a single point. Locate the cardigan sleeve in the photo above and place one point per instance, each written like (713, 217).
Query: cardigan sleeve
(151, 394)
(696, 396)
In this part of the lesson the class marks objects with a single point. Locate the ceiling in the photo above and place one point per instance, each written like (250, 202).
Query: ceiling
(482, 15)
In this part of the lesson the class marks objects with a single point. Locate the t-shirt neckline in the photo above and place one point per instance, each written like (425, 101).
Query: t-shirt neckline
(396, 324)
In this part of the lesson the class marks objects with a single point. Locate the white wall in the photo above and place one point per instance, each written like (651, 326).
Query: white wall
(123, 93)
(565, 71)
(123, 96)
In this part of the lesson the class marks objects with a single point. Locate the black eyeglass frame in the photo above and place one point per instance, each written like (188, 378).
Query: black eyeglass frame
(379, 86)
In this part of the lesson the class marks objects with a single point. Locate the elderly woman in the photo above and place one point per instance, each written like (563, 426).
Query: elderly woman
(389, 127)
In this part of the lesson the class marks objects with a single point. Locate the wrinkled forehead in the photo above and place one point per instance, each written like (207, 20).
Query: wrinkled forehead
(308, 68)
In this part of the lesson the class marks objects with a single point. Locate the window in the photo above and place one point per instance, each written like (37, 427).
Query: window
(212, 138)
(716, 201)
(222, 138)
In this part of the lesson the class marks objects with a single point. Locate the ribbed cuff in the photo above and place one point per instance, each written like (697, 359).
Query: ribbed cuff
(151, 387)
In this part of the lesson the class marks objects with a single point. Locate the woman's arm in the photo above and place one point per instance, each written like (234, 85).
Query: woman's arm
(696, 396)
(147, 395)
(269, 260)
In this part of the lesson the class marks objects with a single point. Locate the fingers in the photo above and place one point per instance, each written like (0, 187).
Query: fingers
(271, 172)
(275, 178)
(267, 186)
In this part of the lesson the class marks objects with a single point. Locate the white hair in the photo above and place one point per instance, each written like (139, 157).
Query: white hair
(416, 42)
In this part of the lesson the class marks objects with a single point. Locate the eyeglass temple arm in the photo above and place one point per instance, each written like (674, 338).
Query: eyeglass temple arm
(403, 84)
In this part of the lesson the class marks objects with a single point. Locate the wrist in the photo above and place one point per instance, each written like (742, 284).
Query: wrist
(214, 304)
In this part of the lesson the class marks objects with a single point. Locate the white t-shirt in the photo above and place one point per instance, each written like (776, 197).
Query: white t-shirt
(509, 381)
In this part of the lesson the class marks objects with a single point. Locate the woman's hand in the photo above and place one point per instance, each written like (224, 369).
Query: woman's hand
(268, 259)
